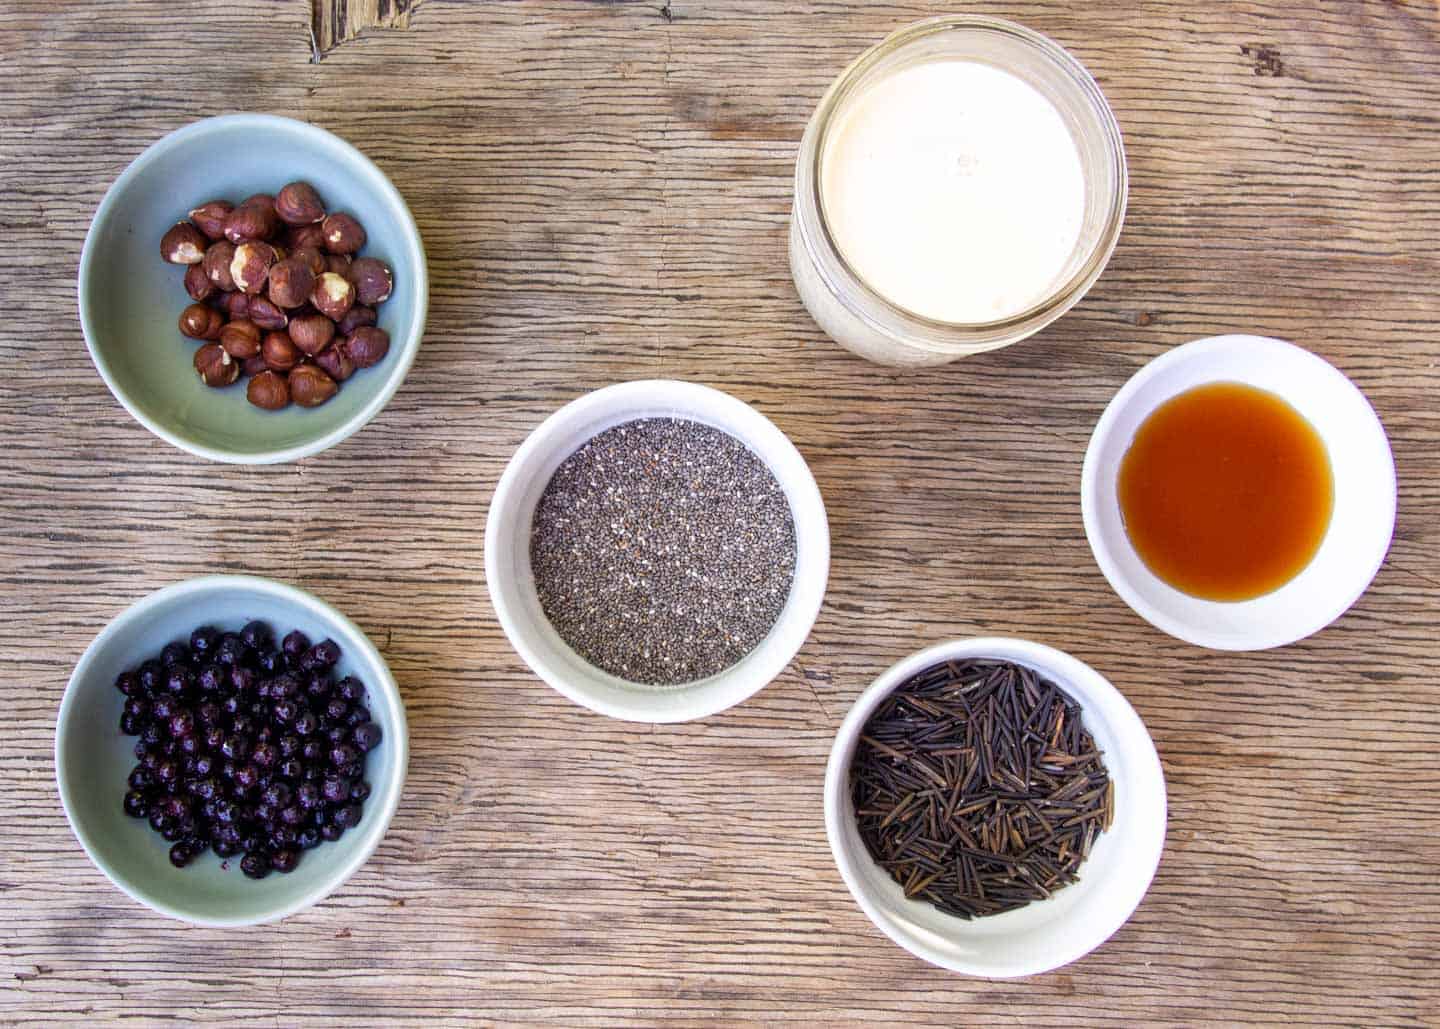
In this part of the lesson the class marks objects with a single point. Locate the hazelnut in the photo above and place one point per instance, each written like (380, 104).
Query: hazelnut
(268, 390)
(313, 258)
(197, 283)
(253, 366)
(336, 362)
(367, 346)
(241, 339)
(251, 221)
(305, 236)
(236, 305)
(215, 367)
(343, 234)
(290, 283)
(266, 315)
(279, 351)
(250, 265)
(312, 333)
(299, 204)
(200, 322)
(311, 387)
(354, 318)
(217, 264)
(333, 295)
(210, 217)
(183, 243)
(373, 280)
(339, 264)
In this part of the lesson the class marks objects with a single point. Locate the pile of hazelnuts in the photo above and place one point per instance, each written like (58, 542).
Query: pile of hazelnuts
(280, 296)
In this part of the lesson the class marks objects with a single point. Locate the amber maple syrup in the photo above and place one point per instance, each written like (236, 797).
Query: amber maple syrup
(1226, 492)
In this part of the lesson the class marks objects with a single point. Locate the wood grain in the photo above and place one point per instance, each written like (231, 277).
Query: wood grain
(604, 190)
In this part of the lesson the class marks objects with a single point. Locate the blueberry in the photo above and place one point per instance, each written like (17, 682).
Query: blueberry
(136, 805)
(173, 833)
(204, 639)
(130, 725)
(343, 754)
(214, 737)
(164, 708)
(308, 838)
(292, 815)
(277, 794)
(265, 754)
(359, 715)
(207, 788)
(247, 776)
(244, 680)
(242, 724)
(255, 864)
(181, 855)
(150, 676)
(226, 847)
(335, 789)
(153, 734)
(284, 711)
(337, 734)
(312, 751)
(289, 745)
(351, 689)
(284, 686)
(337, 710)
(360, 791)
(128, 683)
(284, 860)
(175, 654)
(235, 746)
(305, 723)
(182, 724)
(191, 746)
(257, 635)
(317, 687)
(290, 768)
(295, 645)
(332, 832)
(211, 679)
(204, 766)
(270, 662)
(366, 737)
(167, 771)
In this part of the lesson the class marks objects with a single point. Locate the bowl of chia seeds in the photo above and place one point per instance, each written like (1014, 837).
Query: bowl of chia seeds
(657, 551)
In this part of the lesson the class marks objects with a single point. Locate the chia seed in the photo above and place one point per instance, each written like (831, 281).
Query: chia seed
(663, 551)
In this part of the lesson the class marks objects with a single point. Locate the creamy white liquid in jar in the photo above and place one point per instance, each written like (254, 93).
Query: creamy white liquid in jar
(955, 190)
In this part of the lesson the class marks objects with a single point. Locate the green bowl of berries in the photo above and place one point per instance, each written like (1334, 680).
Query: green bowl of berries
(253, 289)
(230, 750)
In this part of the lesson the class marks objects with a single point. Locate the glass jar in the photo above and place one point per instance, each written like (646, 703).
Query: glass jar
(857, 316)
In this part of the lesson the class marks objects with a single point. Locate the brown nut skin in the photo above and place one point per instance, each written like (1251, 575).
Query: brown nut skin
(183, 243)
(269, 390)
(354, 318)
(310, 386)
(367, 346)
(210, 217)
(339, 264)
(236, 305)
(290, 282)
(279, 351)
(197, 283)
(266, 314)
(217, 264)
(343, 234)
(251, 221)
(201, 322)
(215, 367)
(251, 266)
(313, 258)
(253, 366)
(333, 295)
(241, 339)
(298, 204)
(336, 362)
(312, 333)
(299, 236)
(373, 280)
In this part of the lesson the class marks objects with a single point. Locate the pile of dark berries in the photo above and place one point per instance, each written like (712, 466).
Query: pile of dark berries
(246, 747)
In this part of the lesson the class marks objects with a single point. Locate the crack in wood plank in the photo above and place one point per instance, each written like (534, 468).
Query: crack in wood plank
(333, 22)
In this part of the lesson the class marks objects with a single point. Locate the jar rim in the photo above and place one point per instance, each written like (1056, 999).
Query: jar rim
(876, 310)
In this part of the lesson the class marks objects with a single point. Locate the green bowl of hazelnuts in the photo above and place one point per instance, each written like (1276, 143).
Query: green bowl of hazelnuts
(253, 289)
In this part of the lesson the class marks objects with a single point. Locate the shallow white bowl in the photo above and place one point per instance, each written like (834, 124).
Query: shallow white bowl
(1360, 527)
(512, 582)
(93, 758)
(1073, 921)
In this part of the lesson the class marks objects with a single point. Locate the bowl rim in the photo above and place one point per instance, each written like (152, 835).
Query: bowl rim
(1133, 738)
(1090, 485)
(402, 358)
(397, 736)
(684, 702)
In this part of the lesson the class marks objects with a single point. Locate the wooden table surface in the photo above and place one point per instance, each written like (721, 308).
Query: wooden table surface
(604, 189)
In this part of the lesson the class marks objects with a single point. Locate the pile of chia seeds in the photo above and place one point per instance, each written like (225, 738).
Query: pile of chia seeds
(663, 551)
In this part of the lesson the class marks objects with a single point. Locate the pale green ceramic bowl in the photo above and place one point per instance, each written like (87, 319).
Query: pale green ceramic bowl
(93, 757)
(130, 299)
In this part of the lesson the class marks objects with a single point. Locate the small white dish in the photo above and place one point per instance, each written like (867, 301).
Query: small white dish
(512, 582)
(1360, 527)
(1045, 934)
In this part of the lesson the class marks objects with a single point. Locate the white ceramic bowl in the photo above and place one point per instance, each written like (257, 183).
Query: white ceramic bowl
(512, 582)
(1360, 527)
(1073, 921)
(93, 758)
